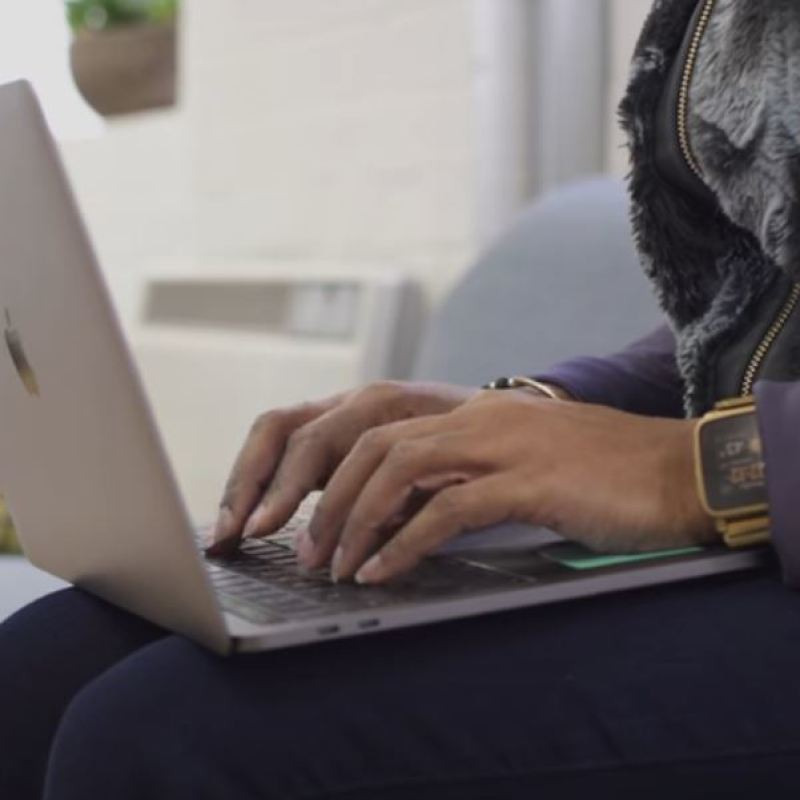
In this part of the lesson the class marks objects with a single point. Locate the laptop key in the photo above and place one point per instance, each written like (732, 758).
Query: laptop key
(267, 575)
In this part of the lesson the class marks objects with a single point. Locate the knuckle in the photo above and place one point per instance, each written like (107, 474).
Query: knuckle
(487, 396)
(307, 436)
(405, 453)
(446, 505)
(381, 391)
(499, 400)
(372, 440)
(266, 421)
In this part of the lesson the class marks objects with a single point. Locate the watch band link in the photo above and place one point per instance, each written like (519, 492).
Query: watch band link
(744, 532)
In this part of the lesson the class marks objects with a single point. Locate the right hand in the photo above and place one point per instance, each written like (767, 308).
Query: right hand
(291, 452)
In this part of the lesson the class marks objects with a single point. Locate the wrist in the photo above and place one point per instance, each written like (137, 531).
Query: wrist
(681, 500)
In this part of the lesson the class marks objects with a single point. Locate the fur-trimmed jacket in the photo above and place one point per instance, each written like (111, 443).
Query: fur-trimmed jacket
(724, 272)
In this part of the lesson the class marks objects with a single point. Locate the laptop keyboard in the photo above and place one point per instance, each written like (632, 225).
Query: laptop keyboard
(264, 583)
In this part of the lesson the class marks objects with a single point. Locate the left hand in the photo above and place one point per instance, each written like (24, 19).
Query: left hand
(612, 481)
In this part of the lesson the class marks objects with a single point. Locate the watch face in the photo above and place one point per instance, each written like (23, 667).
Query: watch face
(733, 463)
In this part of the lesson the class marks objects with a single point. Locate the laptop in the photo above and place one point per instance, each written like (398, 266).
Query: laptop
(85, 474)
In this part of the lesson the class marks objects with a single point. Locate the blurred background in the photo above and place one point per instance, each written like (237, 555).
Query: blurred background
(282, 191)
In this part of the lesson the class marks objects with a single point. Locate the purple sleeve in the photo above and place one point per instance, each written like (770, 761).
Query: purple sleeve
(643, 378)
(779, 419)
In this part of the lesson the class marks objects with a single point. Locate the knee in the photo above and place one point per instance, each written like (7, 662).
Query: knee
(93, 751)
(67, 629)
(123, 736)
(140, 731)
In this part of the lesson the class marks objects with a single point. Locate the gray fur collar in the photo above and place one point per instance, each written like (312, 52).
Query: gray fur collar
(710, 268)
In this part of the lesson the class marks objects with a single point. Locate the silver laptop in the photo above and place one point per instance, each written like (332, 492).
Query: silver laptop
(91, 491)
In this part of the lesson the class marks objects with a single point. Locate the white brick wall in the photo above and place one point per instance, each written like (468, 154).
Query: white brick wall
(333, 130)
(309, 130)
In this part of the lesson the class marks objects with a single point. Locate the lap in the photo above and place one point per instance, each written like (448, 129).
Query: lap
(690, 688)
(48, 652)
(689, 680)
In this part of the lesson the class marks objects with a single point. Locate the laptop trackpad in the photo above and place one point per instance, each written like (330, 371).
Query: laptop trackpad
(537, 552)
(506, 536)
(511, 547)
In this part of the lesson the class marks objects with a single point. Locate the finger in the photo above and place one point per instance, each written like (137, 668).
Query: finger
(408, 467)
(310, 457)
(312, 454)
(253, 469)
(455, 510)
(350, 477)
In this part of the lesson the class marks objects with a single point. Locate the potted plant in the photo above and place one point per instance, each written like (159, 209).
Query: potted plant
(123, 53)
(8, 540)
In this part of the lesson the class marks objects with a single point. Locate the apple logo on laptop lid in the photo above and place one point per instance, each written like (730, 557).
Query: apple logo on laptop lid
(21, 363)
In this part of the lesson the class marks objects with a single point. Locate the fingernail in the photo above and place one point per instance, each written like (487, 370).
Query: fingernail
(304, 546)
(338, 557)
(255, 523)
(372, 571)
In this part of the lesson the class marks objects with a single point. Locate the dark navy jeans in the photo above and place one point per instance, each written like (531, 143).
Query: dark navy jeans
(687, 691)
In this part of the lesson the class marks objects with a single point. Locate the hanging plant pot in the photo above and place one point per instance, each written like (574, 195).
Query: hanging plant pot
(126, 69)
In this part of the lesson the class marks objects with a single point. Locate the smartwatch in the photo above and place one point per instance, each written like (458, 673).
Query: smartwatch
(731, 478)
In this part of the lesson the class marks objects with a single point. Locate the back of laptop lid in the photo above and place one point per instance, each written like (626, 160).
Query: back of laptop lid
(81, 463)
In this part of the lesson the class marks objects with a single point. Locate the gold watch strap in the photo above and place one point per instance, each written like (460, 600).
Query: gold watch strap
(744, 532)
(755, 527)
(731, 403)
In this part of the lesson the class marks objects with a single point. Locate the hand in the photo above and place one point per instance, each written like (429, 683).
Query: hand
(612, 481)
(291, 452)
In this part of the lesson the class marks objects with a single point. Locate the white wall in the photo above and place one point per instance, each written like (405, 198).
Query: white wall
(328, 131)
(625, 22)
(133, 187)
(345, 130)
(309, 130)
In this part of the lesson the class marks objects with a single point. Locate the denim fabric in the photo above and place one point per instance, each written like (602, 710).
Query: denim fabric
(684, 691)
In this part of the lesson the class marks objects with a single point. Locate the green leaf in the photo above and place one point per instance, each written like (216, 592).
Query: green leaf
(101, 14)
(8, 539)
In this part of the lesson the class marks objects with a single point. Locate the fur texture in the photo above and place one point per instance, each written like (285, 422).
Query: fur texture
(710, 268)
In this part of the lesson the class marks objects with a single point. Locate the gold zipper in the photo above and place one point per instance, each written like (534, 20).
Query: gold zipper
(766, 343)
(686, 85)
(792, 301)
